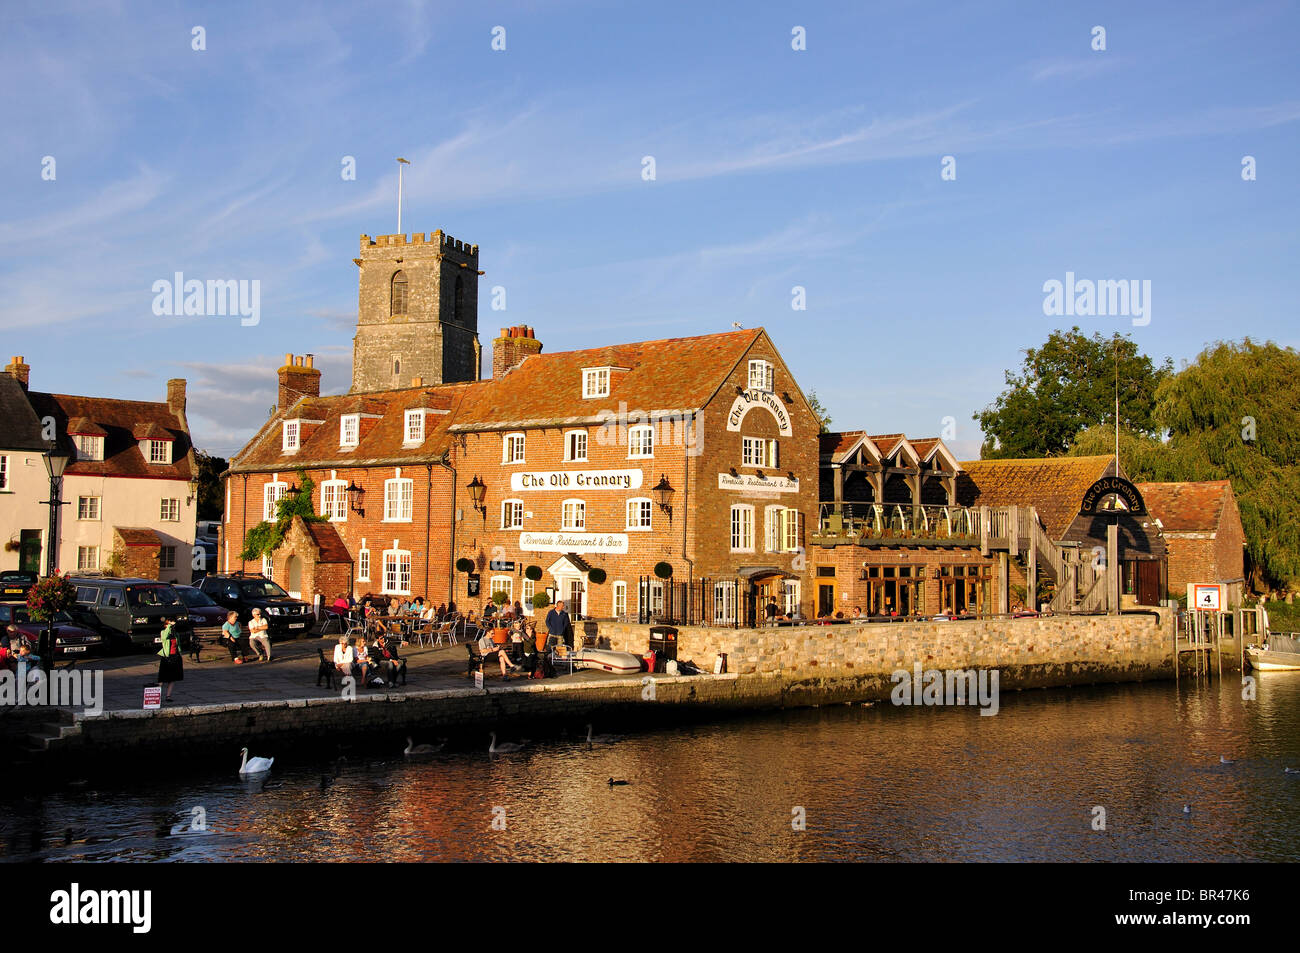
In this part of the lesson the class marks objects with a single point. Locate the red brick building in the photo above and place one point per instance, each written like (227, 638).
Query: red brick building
(1202, 528)
(694, 456)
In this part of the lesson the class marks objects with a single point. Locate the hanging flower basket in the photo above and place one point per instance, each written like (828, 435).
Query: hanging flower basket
(534, 573)
(50, 595)
(664, 570)
(464, 565)
(597, 576)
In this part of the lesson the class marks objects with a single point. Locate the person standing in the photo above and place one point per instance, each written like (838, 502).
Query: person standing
(770, 611)
(171, 665)
(559, 624)
(257, 637)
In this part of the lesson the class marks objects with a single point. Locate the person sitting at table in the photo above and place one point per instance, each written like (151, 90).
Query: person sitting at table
(341, 604)
(488, 644)
(389, 663)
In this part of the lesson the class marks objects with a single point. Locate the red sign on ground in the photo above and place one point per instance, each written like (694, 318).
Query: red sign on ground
(152, 697)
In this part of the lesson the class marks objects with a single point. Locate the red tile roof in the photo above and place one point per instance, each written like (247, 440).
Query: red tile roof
(543, 388)
(381, 442)
(120, 420)
(548, 387)
(1187, 507)
(138, 536)
(1054, 485)
(326, 538)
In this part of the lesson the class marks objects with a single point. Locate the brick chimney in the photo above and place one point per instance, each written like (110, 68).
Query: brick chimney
(176, 396)
(297, 379)
(511, 347)
(19, 371)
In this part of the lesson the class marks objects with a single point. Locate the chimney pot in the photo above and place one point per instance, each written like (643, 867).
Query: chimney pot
(288, 360)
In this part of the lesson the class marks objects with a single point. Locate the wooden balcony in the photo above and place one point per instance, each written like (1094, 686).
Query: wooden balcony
(924, 525)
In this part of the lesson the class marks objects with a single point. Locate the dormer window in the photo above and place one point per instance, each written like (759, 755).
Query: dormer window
(160, 451)
(414, 427)
(350, 430)
(89, 447)
(595, 382)
(760, 375)
(289, 436)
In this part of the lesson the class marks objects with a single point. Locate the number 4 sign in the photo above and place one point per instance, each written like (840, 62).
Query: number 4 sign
(1206, 597)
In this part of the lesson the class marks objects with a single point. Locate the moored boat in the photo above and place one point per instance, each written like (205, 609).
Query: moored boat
(621, 663)
(1279, 653)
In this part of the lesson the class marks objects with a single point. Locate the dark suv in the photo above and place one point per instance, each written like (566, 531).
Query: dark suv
(243, 592)
(131, 611)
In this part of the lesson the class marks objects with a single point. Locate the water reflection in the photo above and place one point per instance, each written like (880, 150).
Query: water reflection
(877, 783)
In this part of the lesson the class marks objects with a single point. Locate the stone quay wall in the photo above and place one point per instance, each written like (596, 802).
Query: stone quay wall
(1036, 652)
(773, 668)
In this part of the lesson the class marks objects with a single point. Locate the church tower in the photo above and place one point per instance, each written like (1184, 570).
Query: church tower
(417, 312)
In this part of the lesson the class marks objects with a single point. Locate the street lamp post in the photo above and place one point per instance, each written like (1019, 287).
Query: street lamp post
(56, 461)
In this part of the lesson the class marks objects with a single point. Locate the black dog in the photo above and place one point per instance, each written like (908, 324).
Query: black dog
(325, 671)
(195, 647)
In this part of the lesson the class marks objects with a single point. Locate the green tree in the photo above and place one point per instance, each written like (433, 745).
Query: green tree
(822, 414)
(1066, 386)
(211, 501)
(266, 537)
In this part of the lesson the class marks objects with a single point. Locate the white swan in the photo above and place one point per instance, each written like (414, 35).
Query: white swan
(1291, 770)
(419, 751)
(504, 748)
(1224, 759)
(251, 766)
(600, 739)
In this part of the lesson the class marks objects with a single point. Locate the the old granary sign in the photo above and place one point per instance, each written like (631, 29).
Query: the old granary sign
(1115, 486)
(573, 542)
(750, 399)
(575, 480)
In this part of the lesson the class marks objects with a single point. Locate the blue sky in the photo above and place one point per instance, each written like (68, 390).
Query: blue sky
(775, 168)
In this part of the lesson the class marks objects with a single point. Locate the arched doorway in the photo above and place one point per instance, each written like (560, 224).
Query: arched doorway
(293, 567)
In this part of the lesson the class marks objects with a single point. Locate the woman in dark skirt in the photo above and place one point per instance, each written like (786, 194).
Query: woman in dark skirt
(171, 665)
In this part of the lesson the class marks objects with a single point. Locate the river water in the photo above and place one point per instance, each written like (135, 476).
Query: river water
(874, 783)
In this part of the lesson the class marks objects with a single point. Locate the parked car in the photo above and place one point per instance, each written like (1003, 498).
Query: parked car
(244, 592)
(73, 638)
(14, 584)
(209, 563)
(130, 612)
(204, 613)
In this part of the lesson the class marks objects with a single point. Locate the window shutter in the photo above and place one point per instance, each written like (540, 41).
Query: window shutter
(772, 454)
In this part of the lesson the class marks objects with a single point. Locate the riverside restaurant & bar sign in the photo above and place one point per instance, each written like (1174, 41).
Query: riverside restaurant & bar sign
(573, 543)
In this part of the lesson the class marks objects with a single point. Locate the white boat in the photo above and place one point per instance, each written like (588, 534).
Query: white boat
(1279, 653)
(620, 663)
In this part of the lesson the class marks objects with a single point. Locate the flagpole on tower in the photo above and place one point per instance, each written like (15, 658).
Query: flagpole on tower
(400, 162)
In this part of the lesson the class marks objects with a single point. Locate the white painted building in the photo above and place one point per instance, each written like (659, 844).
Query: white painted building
(130, 488)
